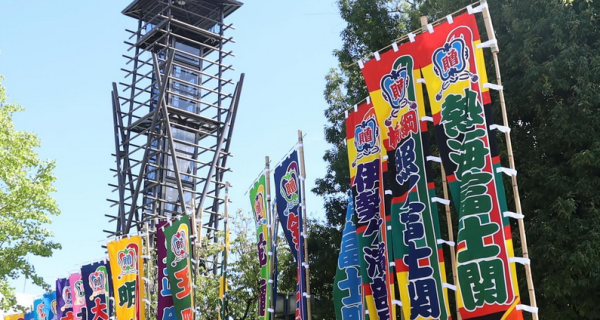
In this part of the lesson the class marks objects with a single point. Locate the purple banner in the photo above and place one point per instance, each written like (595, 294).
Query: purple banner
(64, 300)
(166, 309)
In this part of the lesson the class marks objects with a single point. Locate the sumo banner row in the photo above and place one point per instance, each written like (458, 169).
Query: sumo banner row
(391, 264)
(115, 287)
(287, 208)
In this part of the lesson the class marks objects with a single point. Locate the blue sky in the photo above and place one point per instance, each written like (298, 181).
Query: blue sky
(60, 57)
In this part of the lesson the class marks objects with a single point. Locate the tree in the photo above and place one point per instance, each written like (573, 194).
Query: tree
(26, 204)
(550, 61)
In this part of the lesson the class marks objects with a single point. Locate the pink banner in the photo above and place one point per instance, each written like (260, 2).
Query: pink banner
(78, 296)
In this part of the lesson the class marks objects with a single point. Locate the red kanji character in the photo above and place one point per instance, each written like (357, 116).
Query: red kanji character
(184, 283)
(99, 310)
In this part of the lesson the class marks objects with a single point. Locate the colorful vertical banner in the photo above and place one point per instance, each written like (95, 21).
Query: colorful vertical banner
(258, 200)
(165, 307)
(418, 255)
(127, 269)
(64, 299)
(455, 77)
(347, 291)
(29, 316)
(288, 196)
(45, 307)
(96, 285)
(16, 316)
(179, 267)
(364, 151)
(78, 292)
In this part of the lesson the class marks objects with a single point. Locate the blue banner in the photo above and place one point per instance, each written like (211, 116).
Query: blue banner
(347, 286)
(289, 210)
(289, 198)
(64, 300)
(45, 307)
(96, 282)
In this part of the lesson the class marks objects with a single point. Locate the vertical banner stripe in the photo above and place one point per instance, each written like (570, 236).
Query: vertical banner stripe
(454, 74)
(179, 267)
(165, 307)
(399, 106)
(347, 286)
(64, 299)
(364, 151)
(79, 307)
(289, 199)
(258, 200)
(127, 269)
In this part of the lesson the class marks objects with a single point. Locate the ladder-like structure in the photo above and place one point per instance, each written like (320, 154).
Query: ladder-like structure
(174, 115)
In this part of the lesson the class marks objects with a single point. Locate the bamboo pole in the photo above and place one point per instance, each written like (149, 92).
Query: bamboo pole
(450, 238)
(448, 221)
(269, 230)
(530, 288)
(303, 186)
(149, 268)
(197, 244)
(273, 244)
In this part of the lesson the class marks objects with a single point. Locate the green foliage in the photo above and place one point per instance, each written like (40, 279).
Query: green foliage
(26, 205)
(550, 61)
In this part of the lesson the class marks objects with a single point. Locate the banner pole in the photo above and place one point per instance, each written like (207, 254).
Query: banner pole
(269, 232)
(273, 244)
(448, 221)
(491, 35)
(303, 186)
(148, 269)
(197, 244)
(451, 239)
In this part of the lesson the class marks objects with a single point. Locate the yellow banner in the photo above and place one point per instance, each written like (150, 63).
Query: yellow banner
(127, 268)
(16, 316)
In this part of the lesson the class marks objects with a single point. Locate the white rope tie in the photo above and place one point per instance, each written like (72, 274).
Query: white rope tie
(449, 286)
(514, 215)
(527, 308)
(440, 200)
(477, 9)
(500, 128)
(488, 44)
(508, 171)
(523, 261)
(493, 86)
(434, 159)
(449, 243)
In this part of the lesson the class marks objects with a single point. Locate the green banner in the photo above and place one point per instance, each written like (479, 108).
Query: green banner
(258, 199)
(177, 236)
